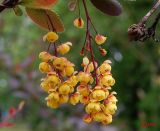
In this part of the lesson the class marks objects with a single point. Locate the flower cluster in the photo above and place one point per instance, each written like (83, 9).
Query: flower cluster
(90, 87)
(60, 80)
(99, 103)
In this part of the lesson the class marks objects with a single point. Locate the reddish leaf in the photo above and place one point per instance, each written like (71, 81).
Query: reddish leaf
(110, 7)
(38, 4)
(46, 19)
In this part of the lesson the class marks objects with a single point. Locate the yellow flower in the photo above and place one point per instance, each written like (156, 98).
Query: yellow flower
(93, 107)
(99, 117)
(64, 48)
(84, 99)
(52, 104)
(79, 23)
(54, 96)
(44, 67)
(99, 95)
(52, 37)
(74, 99)
(73, 80)
(83, 90)
(91, 67)
(110, 108)
(87, 118)
(107, 120)
(53, 80)
(59, 63)
(69, 70)
(45, 86)
(45, 56)
(100, 39)
(104, 68)
(84, 77)
(107, 80)
(64, 89)
(63, 99)
(112, 99)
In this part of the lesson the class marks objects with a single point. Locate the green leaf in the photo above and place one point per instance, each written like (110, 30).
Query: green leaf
(38, 4)
(46, 19)
(109, 7)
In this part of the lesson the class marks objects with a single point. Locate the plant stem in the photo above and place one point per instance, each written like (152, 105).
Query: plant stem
(89, 40)
(146, 17)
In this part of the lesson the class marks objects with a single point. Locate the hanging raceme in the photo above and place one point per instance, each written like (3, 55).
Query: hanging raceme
(60, 80)
(90, 87)
(95, 81)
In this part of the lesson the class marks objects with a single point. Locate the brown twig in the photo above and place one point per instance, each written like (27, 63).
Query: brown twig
(88, 37)
(150, 13)
(139, 32)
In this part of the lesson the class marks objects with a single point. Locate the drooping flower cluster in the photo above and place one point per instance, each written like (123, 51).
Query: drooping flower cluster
(90, 87)
(99, 103)
(60, 80)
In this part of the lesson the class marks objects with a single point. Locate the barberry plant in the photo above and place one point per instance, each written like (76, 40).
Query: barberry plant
(91, 86)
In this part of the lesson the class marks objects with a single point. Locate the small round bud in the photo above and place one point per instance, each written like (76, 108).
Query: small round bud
(45, 56)
(64, 48)
(63, 99)
(64, 89)
(99, 95)
(102, 51)
(93, 108)
(100, 39)
(44, 67)
(69, 70)
(79, 23)
(74, 99)
(52, 37)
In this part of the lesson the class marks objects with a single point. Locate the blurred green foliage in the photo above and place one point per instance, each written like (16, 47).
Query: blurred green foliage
(136, 68)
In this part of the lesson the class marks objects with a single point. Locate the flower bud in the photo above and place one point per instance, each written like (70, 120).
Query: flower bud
(99, 117)
(107, 80)
(69, 70)
(44, 67)
(99, 95)
(100, 39)
(107, 120)
(63, 99)
(93, 107)
(45, 86)
(64, 89)
(64, 48)
(45, 56)
(59, 63)
(105, 67)
(74, 99)
(51, 37)
(79, 23)
(83, 90)
(102, 51)
(110, 108)
(54, 96)
(84, 77)
(84, 99)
